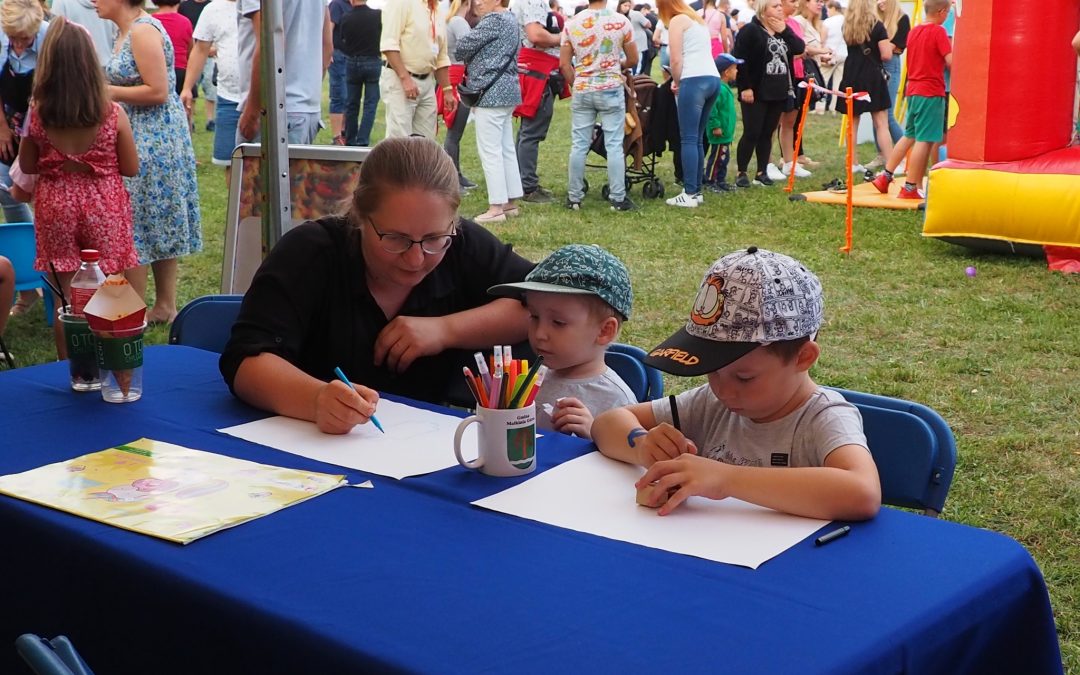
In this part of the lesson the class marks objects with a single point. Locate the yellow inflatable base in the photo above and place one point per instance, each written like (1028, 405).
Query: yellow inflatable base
(863, 195)
(1041, 209)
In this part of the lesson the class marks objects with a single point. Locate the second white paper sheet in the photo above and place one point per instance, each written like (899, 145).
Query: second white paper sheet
(596, 494)
(416, 441)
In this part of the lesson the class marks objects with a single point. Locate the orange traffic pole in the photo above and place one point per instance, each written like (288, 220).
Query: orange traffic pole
(850, 160)
(798, 135)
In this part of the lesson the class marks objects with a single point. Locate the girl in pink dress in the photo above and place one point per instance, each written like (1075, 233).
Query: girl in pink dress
(79, 144)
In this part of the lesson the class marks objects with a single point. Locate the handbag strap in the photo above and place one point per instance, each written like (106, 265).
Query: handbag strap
(506, 66)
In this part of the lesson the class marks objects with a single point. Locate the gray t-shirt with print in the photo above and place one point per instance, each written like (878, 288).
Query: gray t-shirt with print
(598, 393)
(801, 438)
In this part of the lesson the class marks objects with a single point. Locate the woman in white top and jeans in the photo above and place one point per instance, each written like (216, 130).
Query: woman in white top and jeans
(696, 85)
(489, 51)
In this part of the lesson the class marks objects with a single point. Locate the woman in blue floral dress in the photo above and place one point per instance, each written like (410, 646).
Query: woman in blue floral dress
(164, 195)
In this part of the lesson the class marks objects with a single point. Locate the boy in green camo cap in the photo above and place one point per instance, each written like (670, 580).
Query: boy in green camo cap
(577, 299)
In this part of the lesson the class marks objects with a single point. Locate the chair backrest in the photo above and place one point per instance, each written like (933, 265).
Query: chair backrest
(51, 657)
(913, 448)
(17, 244)
(626, 360)
(206, 322)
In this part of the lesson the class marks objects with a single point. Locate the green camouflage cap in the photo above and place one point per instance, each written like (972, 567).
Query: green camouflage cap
(578, 269)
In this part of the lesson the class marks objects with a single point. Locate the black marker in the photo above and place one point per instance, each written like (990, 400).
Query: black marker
(832, 536)
(674, 413)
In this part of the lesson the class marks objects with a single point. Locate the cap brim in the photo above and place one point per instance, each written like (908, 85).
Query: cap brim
(518, 289)
(685, 355)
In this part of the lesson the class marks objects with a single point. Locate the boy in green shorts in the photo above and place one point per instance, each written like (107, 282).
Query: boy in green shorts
(929, 53)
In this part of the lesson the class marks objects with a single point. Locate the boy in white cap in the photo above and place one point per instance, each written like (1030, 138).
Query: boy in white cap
(577, 299)
(761, 430)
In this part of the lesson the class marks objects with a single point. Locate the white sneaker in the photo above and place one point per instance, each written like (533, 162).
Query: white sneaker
(684, 200)
(799, 171)
(774, 173)
(858, 169)
(699, 198)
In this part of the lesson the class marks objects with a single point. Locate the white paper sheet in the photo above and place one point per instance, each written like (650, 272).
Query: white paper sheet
(416, 441)
(596, 494)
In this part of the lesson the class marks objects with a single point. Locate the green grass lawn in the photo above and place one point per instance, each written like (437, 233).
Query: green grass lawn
(998, 355)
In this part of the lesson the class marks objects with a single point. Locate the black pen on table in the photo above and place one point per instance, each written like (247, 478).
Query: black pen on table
(674, 413)
(341, 376)
(832, 536)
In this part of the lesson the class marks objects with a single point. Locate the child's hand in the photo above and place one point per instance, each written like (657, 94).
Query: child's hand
(572, 417)
(687, 475)
(718, 132)
(660, 443)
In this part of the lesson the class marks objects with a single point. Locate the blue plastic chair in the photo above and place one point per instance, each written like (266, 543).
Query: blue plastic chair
(913, 448)
(206, 322)
(626, 360)
(17, 244)
(51, 657)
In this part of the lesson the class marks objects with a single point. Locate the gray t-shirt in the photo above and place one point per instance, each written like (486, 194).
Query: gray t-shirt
(598, 393)
(804, 437)
(455, 28)
(303, 21)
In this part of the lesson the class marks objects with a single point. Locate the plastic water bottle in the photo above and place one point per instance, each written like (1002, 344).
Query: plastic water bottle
(86, 281)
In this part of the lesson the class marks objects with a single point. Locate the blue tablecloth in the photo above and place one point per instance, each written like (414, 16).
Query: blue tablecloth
(410, 577)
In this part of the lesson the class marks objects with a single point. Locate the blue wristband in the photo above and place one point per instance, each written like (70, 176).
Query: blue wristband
(635, 433)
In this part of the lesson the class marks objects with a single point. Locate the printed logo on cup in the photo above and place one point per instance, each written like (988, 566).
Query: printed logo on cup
(521, 445)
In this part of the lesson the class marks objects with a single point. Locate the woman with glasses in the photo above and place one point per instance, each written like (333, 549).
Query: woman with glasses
(394, 292)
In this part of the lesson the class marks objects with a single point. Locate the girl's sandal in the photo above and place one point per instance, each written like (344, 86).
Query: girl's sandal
(20, 307)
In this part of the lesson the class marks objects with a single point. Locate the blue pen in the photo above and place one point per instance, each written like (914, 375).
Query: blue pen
(341, 376)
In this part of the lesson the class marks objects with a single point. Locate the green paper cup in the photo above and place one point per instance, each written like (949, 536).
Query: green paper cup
(81, 352)
(120, 358)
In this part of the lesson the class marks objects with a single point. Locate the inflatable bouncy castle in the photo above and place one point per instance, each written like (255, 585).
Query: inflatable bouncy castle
(1010, 175)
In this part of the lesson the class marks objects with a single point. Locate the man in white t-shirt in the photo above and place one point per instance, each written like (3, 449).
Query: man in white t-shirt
(216, 32)
(307, 24)
(598, 44)
(84, 13)
(540, 31)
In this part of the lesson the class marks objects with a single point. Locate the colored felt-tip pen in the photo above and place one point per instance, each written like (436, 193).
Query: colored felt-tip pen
(832, 536)
(341, 376)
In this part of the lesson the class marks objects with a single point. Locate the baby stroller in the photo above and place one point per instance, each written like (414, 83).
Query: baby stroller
(640, 160)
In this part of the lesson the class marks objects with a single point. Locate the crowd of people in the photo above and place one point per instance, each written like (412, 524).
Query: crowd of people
(95, 147)
(432, 57)
(483, 60)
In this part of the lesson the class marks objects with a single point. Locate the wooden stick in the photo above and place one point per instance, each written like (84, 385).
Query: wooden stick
(849, 161)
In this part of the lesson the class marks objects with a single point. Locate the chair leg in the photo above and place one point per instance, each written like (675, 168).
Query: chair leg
(7, 355)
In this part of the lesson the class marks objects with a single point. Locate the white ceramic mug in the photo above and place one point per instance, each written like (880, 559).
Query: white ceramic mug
(506, 440)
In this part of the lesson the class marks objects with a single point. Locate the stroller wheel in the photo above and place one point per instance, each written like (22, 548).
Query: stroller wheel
(605, 192)
(629, 183)
(653, 189)
(585, 185)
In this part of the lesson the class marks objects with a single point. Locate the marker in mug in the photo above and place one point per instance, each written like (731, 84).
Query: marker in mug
(341, 376)
(832, 536)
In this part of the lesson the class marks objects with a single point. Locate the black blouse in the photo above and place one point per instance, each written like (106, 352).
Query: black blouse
(903, 27)
(309, 304)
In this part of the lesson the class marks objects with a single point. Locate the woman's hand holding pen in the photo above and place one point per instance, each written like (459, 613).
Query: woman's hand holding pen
(339, 408)
(662, 442)
(685, 476)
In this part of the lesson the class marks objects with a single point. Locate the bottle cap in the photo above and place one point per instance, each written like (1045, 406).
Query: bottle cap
(89, 255)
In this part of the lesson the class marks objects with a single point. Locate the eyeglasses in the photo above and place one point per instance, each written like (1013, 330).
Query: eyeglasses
(399, 243)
